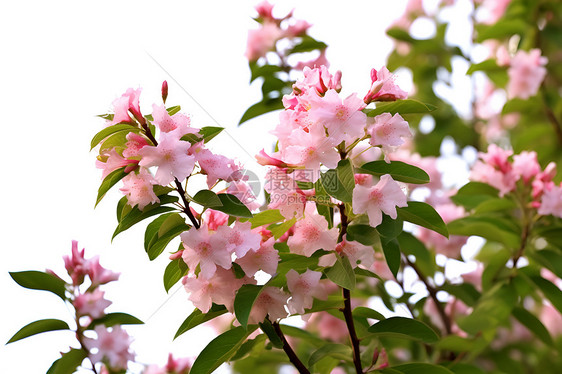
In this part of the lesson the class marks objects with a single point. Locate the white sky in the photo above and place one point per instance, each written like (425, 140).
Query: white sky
(62, 63)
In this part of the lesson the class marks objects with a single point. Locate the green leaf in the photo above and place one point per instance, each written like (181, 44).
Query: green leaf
(493, 309)
(68, 363)
(401, 106)
(110, 131)
(112, 319)
(389, 228)
(173, 110)
(504, 28)
(151, 232)
(549, 259)
(197, 317)
(38, 327)
(342, 273)
(410, 245)
(266, 217)
(308, 44)
(483, 66)
(364, 312)
(263, 71)
(422, 368)
(38, 280)
(456, 343)
(406, 328)
(207, 198)
(363, 234)
(171, 227)
(220, 350)
(268, 329)
(338, 351)
(424, 215)
(135, 215)
(265, 106)
(109, 181)
(465, 292)
(209, 132)
(550, 291)
(399, 33)
(232, 206)
(175, 271)
(494, 205)
(534, 325)
(332, 303)
(279, 230)
(474, 193)
(391, 251)
(398, 170)
(245, 298)
(339, 182)
(487, 227)
(297, 262)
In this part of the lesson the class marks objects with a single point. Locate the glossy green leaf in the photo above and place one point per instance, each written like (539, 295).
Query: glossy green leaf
(487, 227)
(209, 132)
(297, 262)
(363, 234)
(474, 193)
(245, 298)
(408, 106)
(38, 280)
(341, 273)
(410, 245)
(534, 325)
(69, 362)
(323, 203)
(339, 182)
(279, 230)
(207, 198)
(38, 327)
(109, 181)
(465, 292)
(172, 226)
(389, 228)
(232, 206)
(263, 70)
(136, 215)
(266, 217)
(112, 319)
(398, 170)
(308, 44)
(332, 303)
(548, 258)
(175, 271)
(364, 312)
(269, 330)
(424, 215)
(220, 350)
(110, 131)
(407, 328)
(151, 232)
(338, 351)
(550, 291)
(494, 205)
(265, 106)
(493, 309)
(197, 317)
(456, 343)
(391, 251)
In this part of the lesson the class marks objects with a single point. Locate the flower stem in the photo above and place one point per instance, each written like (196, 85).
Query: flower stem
(289, 351)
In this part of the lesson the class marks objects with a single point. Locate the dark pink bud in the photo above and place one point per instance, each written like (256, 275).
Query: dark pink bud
(164, 91)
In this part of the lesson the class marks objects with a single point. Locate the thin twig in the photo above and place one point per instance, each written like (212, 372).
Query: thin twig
(351, 327)
(289, 351)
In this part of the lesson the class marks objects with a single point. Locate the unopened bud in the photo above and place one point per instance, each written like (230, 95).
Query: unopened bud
(164, 91)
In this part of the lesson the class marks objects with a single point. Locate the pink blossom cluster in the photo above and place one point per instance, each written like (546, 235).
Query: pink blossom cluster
(173, 366)
(273, 29)
(526, 72)
(149, 162)
(508, 173)
(111, 344)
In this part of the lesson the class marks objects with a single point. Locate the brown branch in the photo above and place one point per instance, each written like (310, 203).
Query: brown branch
(433, 294)
(351, 328)
(519, 254)
(289, 351)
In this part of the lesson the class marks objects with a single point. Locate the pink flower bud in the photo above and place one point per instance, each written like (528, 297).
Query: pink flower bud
(164, 91)
(265, 159)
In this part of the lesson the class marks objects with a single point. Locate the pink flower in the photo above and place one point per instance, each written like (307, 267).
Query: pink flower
(383, 87)
(526, 73)
(134, 145)
(171, 158)
(113, 162)
(243, 191)
(265, 10)
(178, 124)
(330, 327)
(496, 170)
(525, 165)
(551, 202)
(303, 288)
(112, 344)
(91, 304)
(76, 265)
(543, 180)
(219, 289)
(318, 80)
(263, 40)
(388, 131)
(343, 119)
(311, 233)
(240, 238)
(214, 219)
(384, 197)
(214, 166)
(129, 101)
(206, 250)
(265, 258)
(265, 159)
(357, 253)
(284, 193)
(100, 275)
(139, 189)
(271, 301)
